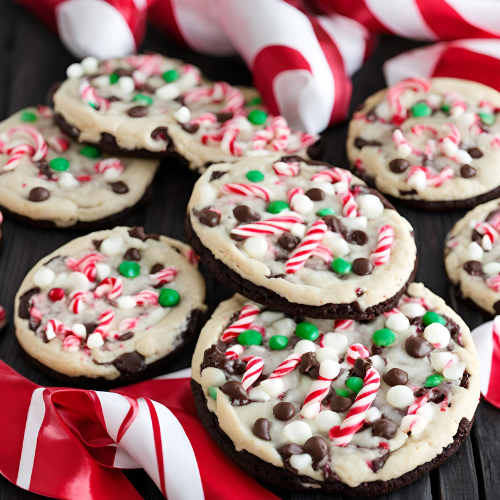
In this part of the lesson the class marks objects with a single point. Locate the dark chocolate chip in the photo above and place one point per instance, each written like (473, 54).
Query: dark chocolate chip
(418, 347)
(90, 327)
(465, 380)
(360, 367)
(216, 175)
(237, 237)
(45, 171)
(190, 128)
(466, 171)
(340, 404)
(138, 111)
(224, 117)
(39, 194)
(315, 194)
(124, 72)
(130, 363)
(360, 143)
(307, 362)
(284, 411)
(316, 447)
(234, 390)
(132, 254)
(475, 152)
(362, 266)
(209, 218)
(291, 449)
(396, 376)
(384, 428)
(288, 241)
(244, 213)
(398, 165)
(357, 237)
(125, 336)
(379, 462)
(119, 187)
(473, 267)
(139, 233)
(157, 268)
(97, 244)
(160, 133)
(261, 429)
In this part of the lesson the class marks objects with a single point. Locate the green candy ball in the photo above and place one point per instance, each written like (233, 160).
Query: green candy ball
(257, 116)
(171, 75)
(278, 342)
(341, 266)
(421, 109)
(342, 392)
(90, 152)
(275, 207)
(28, 116)
(129, 269)
(255, 176)
(325, 211)
(169, 297)
(113, 78)
(487, 118)
(432, 317)
(255, 101)
(59, 164)
(433, 380)
(384, 337)
(144, 99)
(212, 392)
(307, 331)
(354, 383)
(250, 337)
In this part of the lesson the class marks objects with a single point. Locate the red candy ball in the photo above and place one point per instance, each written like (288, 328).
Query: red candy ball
(56, 294)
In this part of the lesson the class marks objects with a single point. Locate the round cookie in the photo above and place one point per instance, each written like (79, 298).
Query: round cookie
(472, 256)
(48, 179)
(153, 106)
(254, 368)
(300, 237)
(110, 308)
(430, 143)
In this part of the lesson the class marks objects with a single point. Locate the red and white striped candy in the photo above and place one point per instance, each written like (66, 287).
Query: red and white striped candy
(71, 344)
(191, 256)
(204, 119)
(431, 179)
(486, 229)
(78, 299)
(110, 287)
(45, 111)
(342, 324)
(149, 64)
(333, 175)
(418, 403)
(261, 138)
(286, 366)
(89, 96)
(246, 317)
(494, 221)
(342, 435)
(356, 351)
(303, 251)
(58, 144)
(293, 192)
(394, 93)
(104, 321)
(323, 253)
(164, 276)
(85, 265)
(248, 190)
(146, 298)
(235, 351)
(253, 370)
(417, 300)
(274, 225)
(109, 164)
(288, 169)
(282, 132)
(494, 282)
(221, 91)
(349, 205)
(456, 103)
(55, 327)
(403, 146)
(128, 324)
(382, 252)
(318, 391)
(9, 145)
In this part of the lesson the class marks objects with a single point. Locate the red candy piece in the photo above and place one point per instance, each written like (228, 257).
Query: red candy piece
(56, 294)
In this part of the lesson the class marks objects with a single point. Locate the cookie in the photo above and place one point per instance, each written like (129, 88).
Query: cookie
(110, 308)
(359, 408)
(472, 256)
(301, 237)
(154, 106)
(430, 143)
(48, 179)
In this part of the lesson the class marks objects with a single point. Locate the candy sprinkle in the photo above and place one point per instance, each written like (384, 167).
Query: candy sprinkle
(487, 118)
(354, 383)
(212, 392)
(325, 211)
(144, 99)
(342, 392)
(421, 109)
(113, 78)
(129, 269)
(254, 102)
(278, 342)
(171, 75)
(433, 380)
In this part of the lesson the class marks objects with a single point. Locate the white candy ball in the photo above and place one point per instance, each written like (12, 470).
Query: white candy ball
(327, 419)
(272, 386)
(50, 334)
(417, 181)
(427, 411)
(404, 150)
(126, 302)
(67, 180)
(285, 326)
(300, 462)
(79, 330)
(212, 377)
(378, 362)
(326, 353)
(486, 243)
(326, 187)
(182, 115)
(61, 280)
(449, 148)
(44, 277)
(337, 244)
(268, 317)
(256, 246)
(440, 360)
(302, 204)
(438, 335)
(412, 310)
(475, 252)
(371, 205)
(298, 230)
(455, 370)
(168, 92)
(400, 396)
(75, 70)
(112, 174)
(414, 423)
(103, 270)
(310, 410)
(112, 246)
(398, 323)
(94, 341)
(77, 281)
(373, 414)
(337, 341)
(383, 110)
(259, 395)
(341, 187)
(127, 84)
(297, 432)
(90, 65)
(329, 369)
(303, 346)
(491, 268)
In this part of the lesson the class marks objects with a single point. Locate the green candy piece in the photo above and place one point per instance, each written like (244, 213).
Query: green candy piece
(90, 152)
(28, 116)
(341, 266)
(432, 317)
(255, 176)
(169, 297)
(487, 118)
(144, 98)
(250, 337)
(93, 105)
(421, 109)
(59, 164)
(325, 211)
(171, 75)
(278, 342)
(212, 392)
(113, 78)
(433, 380)
(342, 392)
(384, 337)
(307, 331)
(255, 101)
(445, 108)
(354, 383)
(257, 116)
(275, 207)
(129, 269)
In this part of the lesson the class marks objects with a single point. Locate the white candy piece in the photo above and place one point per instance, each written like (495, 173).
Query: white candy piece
(89, 65)
(325, 186)
(94, 341)
(373, 414)
(427, 411)
(126, 84)
(455, 370)
(168, 92)
(400, 396)
(398, 323)
(285, 326)
(303, 346)
(383, 110)
(77, 281)
(112, 174)
(67, 180)
(259, 395)
(256, 246)
(50, 334)
(126, 302)
(298, 230)
(44, 277)
(297, 432)
(272, 386)
(378, 362)
(329, 369)
(337, 341)
(337, 244)
(112, 246)
(326, 353)
(491, 268)
(101, 81)
(371, 205)
(327, 419)
(268, 317)
(475, 252)
(414, 424)
(448, 147)
(61, 280)
(75, 70)
(103, 270)
(71, 349)
(182, 115)
(434, 100)
(79, 330)
(440, 360)
(359, 222)
(486, 243)
(404, 150)
(310, 410)
(463, 157)
(300, 462)
(302, 204)
(412, 310)
(417, 181)
(212, 377)
(341, 187)
(438, 335)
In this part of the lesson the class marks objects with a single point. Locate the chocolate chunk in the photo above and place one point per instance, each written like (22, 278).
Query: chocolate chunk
(384, 428)
(418, 347)
(360, 367)
(465, 380)
(362, 266)
(466, 171)
(132, 254)
(130, 363)
(291, 449)
(261, 429)
(125, 336)
(396, 376)
(307, 362)
(357, 237)
(398, 165)
(284, 411)
(315, 151)
(216, 175)
(139, 233)
(334, 224)
(214, 357)
(288, 241)
(90, 327)
(113, 98)
(474, 268)
(475, 152)
(156, 268)
(119, 187)
(437, 396)
(45, 170)
(190, 128)
(244, 213)
(234, 390)
(340, 404)
(39, 194)
(418, 322)
(224, 117)
(379, 462)
(160, 133)
(138, 111)
(24, 303)
(209, 218)
(237, 237)
(360, 143)
(357, 307)
(316, 447)
(315, 194)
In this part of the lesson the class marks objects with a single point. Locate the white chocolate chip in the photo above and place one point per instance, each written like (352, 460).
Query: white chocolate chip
(463, 157)
(378, 362)
(112, 246)
(341, 187)
(300, 462)
(475, 252)
(327, 419)
(259, 395)
(44, 277)
(417, 181)
(491, 268)
(438, 335)
(126, 302)
(75, 70)
(285, 326)
(336, 244)
(440, 360)
(101, 81)
(449, 147)
(272, 386)
(455, 370)
(112, 174)
(400, 396)
(212, 377)
(404, 150)
(168, 92)
(303, 346)
(298, 230)
(427, 411)
(103, 270)
(77, 281)
(434, 100)
(383, 110)
(302, 204)
(329, 369)
(67, 180)
(89, 65)
(373, 414)
(127, 84)
(268, 317)
(297, 432)
(325, 353)
(79, 330)
(256, 247)
(50, 334)
(310, 410)
(486, 243)
(326, 187)
(337, 341)
(412, 310)
(94, 341)
(398, 323)
(360, 222)
(182, 115)
(414, 424)
(61, 280)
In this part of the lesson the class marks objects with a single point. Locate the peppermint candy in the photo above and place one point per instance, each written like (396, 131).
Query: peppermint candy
(286, 366)
(58, 144)
(235, 351)
(164, 276)
(274, 225)
(333, 175)
(110, 287)
(146, 298)
(85, 265)
(247, 315)
(287, 169)
(10, 145)
(382, 252)
(356, 351)
(90, 96)
(394, 93)
(253, 370)
(248, 190)
(111, 168)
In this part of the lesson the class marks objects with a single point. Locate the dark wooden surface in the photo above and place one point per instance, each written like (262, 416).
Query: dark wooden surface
(32, 58)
